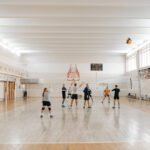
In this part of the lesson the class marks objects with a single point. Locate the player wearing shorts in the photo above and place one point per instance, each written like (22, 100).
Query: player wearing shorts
(106, 94)
(74, 95)
(63, 95)
(86, 92)
(45, 102)
(69, 92)
(90, 95)
(116, 96)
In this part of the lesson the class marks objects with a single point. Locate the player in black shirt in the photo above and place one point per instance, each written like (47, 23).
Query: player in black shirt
(63, 95)
(87, 96)
(116, 96)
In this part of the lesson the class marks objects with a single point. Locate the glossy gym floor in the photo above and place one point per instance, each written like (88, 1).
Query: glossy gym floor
(101, 127)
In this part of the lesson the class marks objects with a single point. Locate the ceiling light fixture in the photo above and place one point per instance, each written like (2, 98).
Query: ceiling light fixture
(129, 41)
(7, 46)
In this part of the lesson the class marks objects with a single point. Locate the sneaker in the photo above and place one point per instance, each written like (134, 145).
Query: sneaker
(51, 116)
(83, 107)
(102, 102)
(89, 107)
(41, 116)
(113, 107)
(63, 105)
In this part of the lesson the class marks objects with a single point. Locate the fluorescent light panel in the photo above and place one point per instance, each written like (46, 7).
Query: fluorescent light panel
(9, 47)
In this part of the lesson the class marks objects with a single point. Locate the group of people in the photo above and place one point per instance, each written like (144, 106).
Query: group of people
(116, 91)
(72, 93)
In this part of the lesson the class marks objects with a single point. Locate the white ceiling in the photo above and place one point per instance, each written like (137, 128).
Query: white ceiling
(74, 26)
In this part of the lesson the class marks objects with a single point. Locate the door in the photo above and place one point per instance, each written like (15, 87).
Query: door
(5, 90)
(11, 90)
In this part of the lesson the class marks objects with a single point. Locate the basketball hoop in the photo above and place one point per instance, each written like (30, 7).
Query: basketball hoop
(73, 74)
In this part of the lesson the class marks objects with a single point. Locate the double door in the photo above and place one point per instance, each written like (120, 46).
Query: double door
(9, 91)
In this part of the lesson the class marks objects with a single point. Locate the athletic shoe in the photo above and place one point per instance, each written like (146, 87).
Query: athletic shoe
(113, 107)
(102, 102)
(51, 116)
(83, 107)
(41, 116)
(63, 105)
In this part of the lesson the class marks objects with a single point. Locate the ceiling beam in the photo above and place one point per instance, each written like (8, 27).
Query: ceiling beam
(78, 2)
(72, 36)
(12, 11)
(71, 30)
(77, 22)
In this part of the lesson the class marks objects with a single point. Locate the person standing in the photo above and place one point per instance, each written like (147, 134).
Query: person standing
(90, 95)
(74, 95)
(86, 92)
(63, 95)
(45, 102)
(106, 94)
(69, 92)
(116, 96)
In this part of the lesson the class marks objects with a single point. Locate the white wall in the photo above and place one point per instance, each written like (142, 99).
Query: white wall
(145, 86)
(14, 61)
(133, 76)
(53, 70)
(138, 84)
(113, 64)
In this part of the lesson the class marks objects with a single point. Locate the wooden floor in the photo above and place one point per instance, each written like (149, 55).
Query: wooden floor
(102, 146)
(138, 104)
(14, 104)
(99, 128)
(11, 105)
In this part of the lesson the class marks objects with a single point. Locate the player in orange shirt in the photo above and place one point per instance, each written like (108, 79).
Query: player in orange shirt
(106, 94)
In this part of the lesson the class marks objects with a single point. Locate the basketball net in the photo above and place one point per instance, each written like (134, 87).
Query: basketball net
(73, 74)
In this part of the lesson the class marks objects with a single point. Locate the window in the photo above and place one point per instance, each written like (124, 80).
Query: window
(131, 63)
(144, 56)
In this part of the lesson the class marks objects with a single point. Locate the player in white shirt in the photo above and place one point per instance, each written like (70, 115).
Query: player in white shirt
(74, 95)
(46, 102)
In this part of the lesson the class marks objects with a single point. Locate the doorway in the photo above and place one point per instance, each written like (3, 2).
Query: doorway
(11, 90)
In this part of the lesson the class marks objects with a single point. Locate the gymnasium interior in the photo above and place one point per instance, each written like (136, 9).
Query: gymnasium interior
(51, 43)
